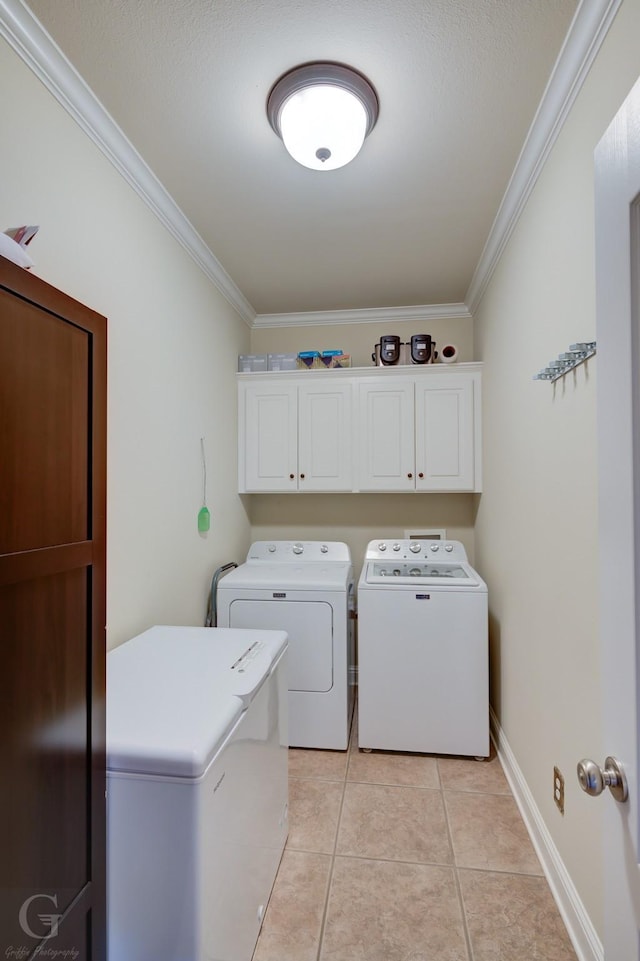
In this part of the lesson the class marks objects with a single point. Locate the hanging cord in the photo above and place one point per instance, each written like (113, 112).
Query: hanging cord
(204, 518)
(204, 473)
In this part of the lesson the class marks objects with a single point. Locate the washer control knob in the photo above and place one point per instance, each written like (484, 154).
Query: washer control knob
(324, 549)
(396, 547)
(298, 548)
(435, 547)
(448, 547)
(271, 548)
(382, 546)
(415, 547)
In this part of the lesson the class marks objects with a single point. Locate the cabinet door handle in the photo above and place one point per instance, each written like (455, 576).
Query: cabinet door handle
(301, 476)
(409, 476)
(292, 476)
(420, 474)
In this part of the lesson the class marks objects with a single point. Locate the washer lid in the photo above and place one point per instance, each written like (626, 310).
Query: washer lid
(174, 693)
(392, 573)
(416, 570)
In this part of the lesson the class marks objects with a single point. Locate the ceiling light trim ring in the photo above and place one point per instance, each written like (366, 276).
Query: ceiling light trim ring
(322, 73)
(323, 112)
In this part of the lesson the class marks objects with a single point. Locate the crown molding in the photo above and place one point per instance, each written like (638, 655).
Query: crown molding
(368, 315)
(588, 29)
(32, 43)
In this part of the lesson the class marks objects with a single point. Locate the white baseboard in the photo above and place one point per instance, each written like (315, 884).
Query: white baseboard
(584, 938)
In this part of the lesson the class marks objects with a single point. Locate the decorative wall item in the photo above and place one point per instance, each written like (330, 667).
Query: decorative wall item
(576, 355)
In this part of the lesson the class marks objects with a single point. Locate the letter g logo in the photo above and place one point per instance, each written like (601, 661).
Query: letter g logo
(47, 919)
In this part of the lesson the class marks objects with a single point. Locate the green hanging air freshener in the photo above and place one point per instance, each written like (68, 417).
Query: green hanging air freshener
(204, 517)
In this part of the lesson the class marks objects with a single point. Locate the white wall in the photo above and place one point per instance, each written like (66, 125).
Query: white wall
(173, 341)
(358, 518)
(536, 533)
(359, 340)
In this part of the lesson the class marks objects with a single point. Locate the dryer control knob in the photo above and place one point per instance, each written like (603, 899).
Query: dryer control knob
(382, 546)
(435, 547)
(298, 548)
(396, 547)
(448, 547)
(415, 548)
(324, 549)
(271, 548)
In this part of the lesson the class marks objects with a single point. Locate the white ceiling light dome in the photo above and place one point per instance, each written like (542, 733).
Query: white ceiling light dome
(323, 112)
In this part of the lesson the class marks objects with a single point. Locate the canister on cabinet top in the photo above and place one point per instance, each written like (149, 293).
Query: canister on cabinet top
(387, 352)
(421, 349)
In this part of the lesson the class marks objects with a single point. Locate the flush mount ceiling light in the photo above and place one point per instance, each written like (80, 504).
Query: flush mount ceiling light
(322, 112)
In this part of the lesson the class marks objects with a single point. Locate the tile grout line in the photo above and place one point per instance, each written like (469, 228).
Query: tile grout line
(330, 881)
(431, 864)
(335, 842)
(456, 877)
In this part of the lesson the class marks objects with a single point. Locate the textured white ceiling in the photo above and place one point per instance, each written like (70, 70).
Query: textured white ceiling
(458, 81)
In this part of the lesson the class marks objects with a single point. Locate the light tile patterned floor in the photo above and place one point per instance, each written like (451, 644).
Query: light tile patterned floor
(398, 857)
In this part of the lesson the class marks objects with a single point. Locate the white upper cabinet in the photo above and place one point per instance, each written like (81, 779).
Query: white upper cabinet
(324, 437)
(419, 433)
(367, 429)
(268, 419)
(295, 437)
(445, 441)
(385, 431)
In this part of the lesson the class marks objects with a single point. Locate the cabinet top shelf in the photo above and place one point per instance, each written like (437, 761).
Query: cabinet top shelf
(404, 370)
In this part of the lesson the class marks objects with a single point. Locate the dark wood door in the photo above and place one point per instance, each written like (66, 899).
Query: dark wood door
(52, 621)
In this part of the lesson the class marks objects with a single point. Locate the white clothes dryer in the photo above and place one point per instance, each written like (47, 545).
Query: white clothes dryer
(423, 672)
(305, 588)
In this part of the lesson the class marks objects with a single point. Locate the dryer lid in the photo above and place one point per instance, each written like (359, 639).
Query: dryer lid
(175, 693)
(292, 576)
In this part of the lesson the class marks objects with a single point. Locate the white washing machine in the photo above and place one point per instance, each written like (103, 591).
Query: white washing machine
(305, 588)
(423, 672)
(196, 791)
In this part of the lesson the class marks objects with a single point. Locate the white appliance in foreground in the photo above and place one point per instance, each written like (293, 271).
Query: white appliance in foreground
(306, 589)
(196, 791)
(423, 672)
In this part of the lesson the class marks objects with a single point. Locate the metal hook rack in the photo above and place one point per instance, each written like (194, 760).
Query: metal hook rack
(576, 355)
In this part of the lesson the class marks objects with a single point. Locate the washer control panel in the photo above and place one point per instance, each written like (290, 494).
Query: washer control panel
(433, 550)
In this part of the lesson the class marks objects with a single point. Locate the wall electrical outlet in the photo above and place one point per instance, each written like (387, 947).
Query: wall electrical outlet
(558, 789)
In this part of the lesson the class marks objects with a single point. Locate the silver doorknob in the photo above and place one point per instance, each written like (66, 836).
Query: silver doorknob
(593, 780)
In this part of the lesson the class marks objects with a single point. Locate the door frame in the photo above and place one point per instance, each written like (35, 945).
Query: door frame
(617, 232)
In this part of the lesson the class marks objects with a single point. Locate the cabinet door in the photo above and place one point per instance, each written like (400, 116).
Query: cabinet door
(445, 434)
(324, 437)
(268, 437)
(53, 398)
(386, 436)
